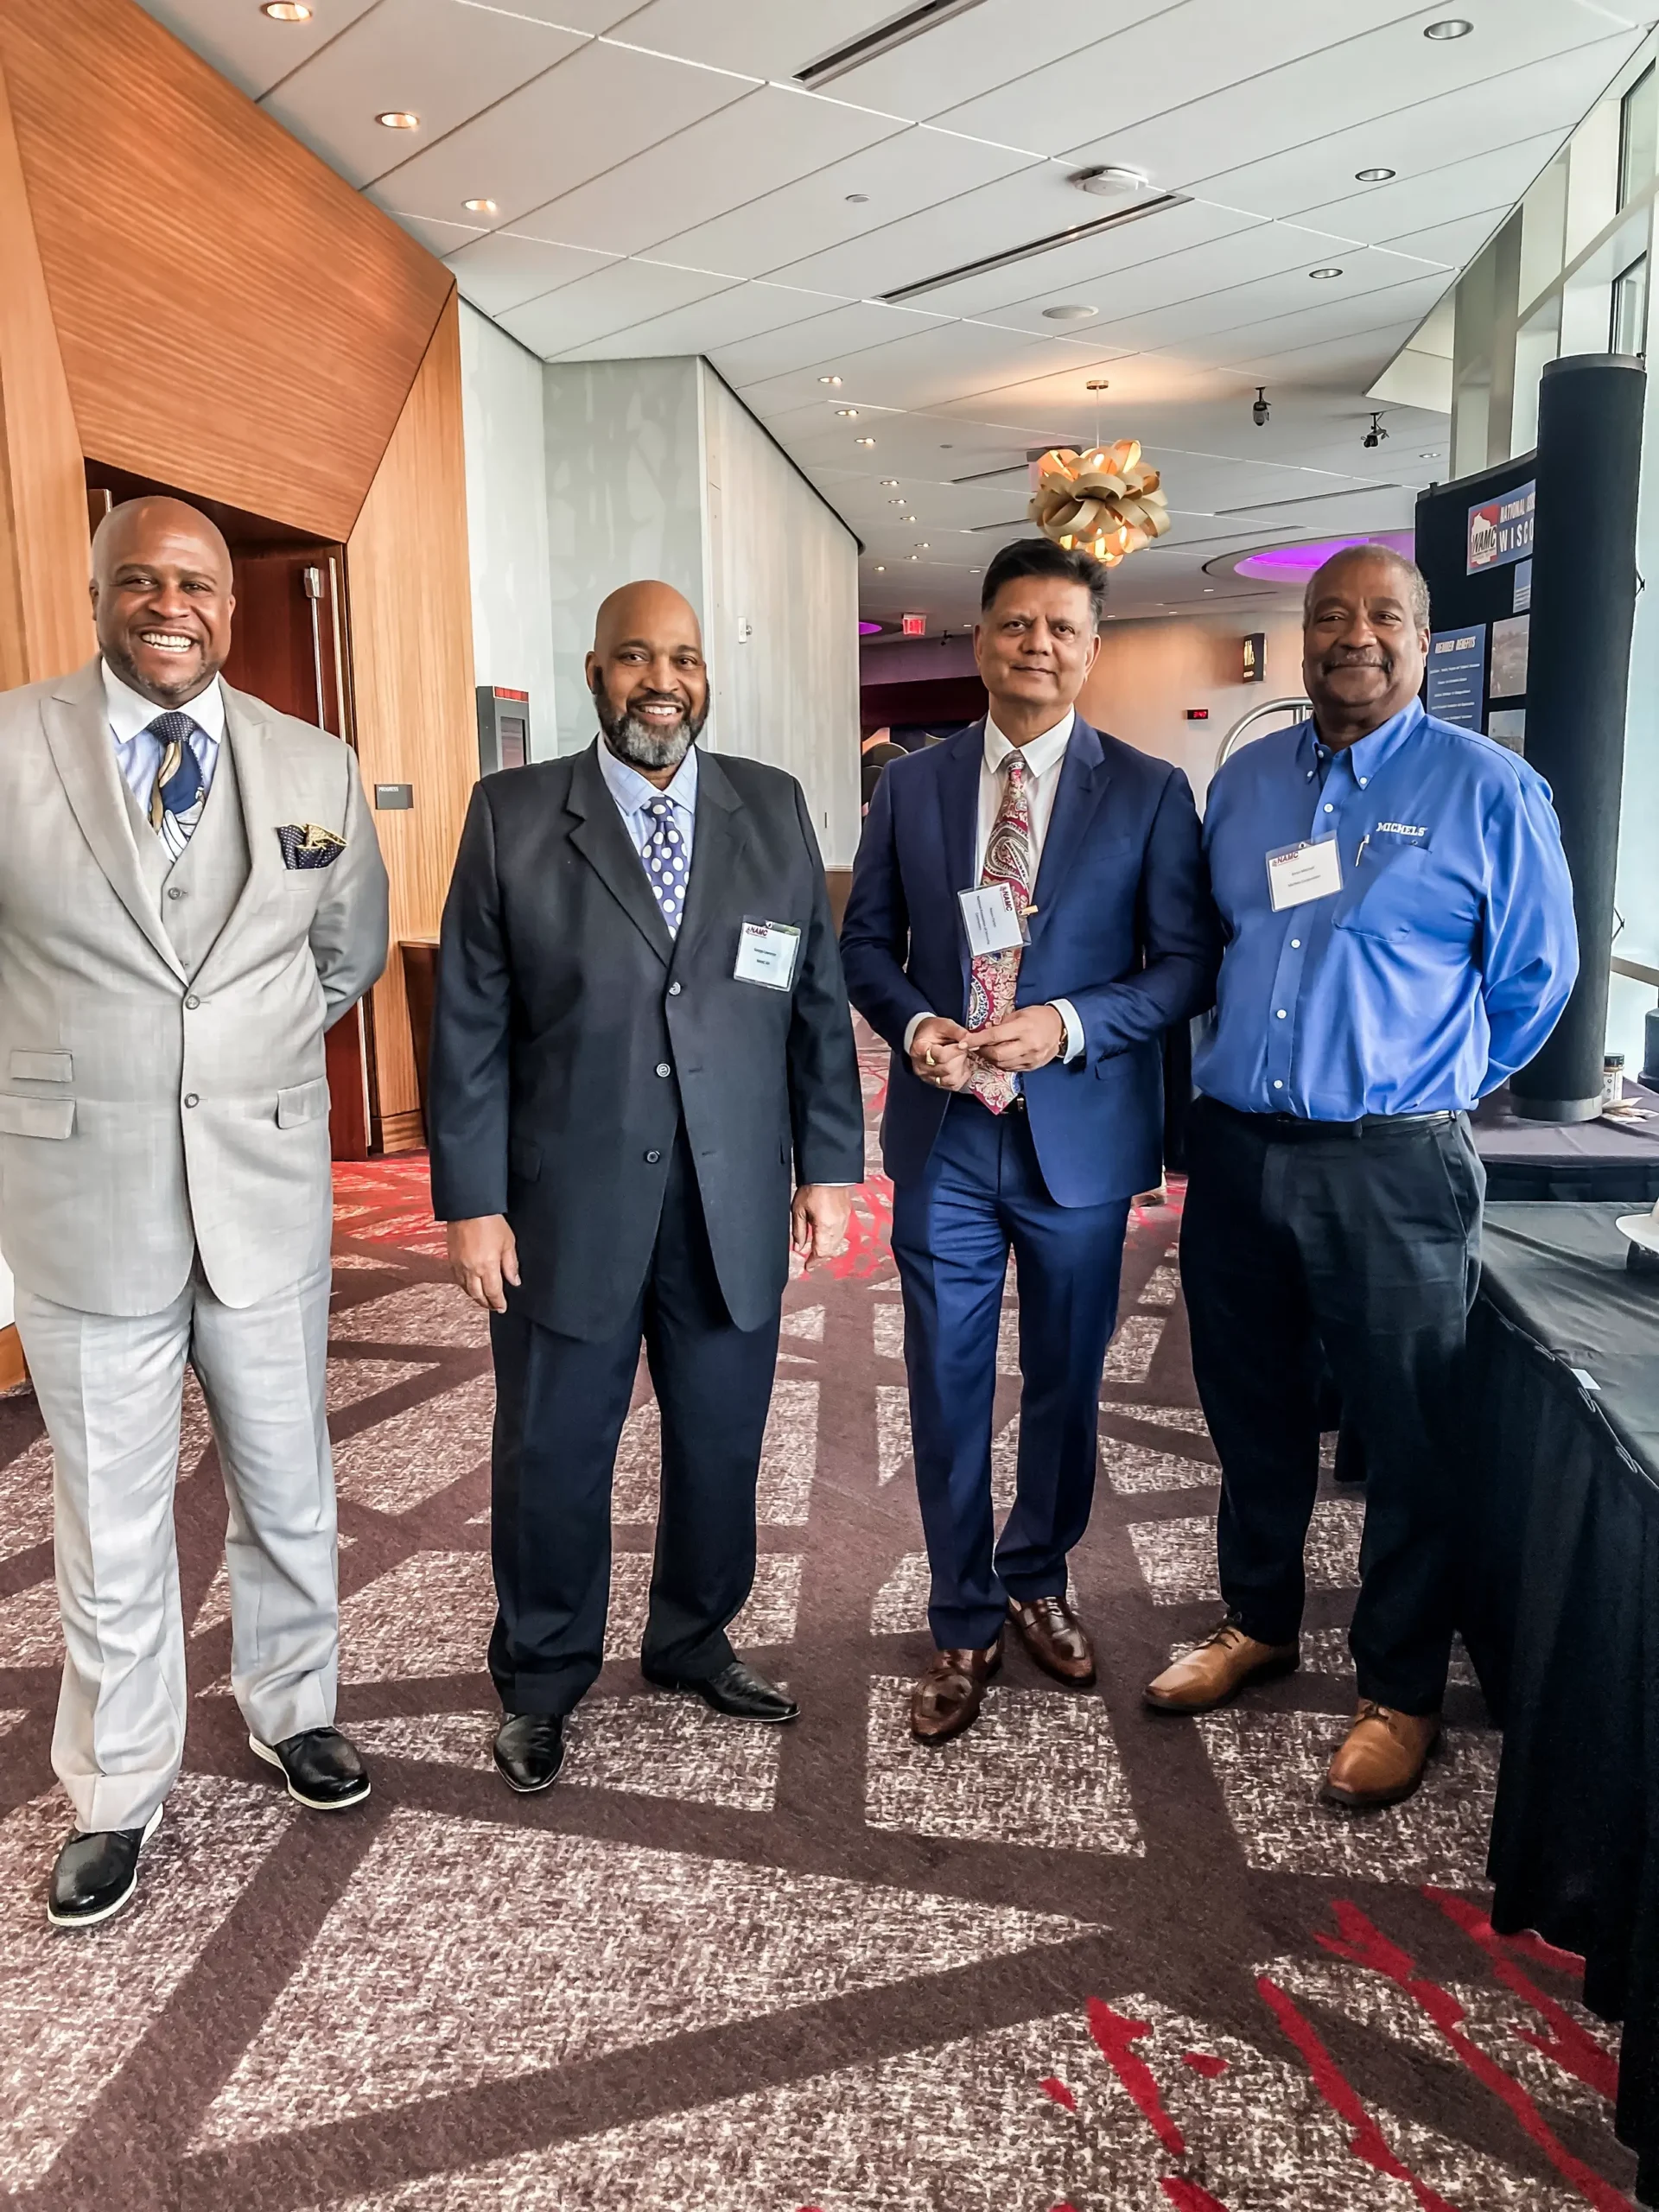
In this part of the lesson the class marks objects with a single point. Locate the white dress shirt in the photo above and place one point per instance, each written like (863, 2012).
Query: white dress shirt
(139, 754)
(1043, 756)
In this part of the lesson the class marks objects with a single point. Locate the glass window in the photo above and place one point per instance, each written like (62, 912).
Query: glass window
(1629, 330)
(1638, 136)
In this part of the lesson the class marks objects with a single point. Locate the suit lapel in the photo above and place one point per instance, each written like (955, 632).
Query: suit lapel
(718, 843)
(958, 791)
(82, 752)
(244, 738)
(599, 836)
(1084, 777)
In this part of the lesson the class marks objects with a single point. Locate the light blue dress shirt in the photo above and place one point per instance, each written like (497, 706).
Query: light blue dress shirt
(633, 795)
(1438, 969)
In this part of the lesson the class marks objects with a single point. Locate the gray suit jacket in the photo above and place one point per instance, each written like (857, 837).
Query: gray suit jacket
(147, 1112)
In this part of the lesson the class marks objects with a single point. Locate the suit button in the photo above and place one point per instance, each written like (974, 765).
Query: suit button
(175, 892)
(193, 1002)
(663, 1068)
(652, 1159)
(191, 1099)
(674, 990)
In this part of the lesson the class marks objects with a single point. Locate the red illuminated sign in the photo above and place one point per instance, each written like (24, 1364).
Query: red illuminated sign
(913, 625)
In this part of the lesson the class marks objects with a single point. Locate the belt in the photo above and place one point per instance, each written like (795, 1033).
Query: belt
(1291, 1128)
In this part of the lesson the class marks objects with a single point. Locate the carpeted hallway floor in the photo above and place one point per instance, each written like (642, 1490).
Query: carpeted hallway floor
(1087, 1957)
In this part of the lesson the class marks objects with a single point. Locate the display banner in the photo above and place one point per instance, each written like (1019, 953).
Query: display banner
(1500, 530)
(1457, 675)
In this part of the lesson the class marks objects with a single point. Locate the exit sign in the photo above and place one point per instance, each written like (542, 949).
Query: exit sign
(912, 625)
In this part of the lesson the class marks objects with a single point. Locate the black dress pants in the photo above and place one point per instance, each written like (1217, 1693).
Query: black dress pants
(1365, 1248)
(561, 1402)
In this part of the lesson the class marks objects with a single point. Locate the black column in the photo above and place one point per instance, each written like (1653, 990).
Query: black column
(1590, 408)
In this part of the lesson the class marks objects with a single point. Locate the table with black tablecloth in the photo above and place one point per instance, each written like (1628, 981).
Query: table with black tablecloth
(1562, 1611)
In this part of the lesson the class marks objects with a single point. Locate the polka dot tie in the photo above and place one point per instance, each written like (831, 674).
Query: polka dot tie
(664, 854)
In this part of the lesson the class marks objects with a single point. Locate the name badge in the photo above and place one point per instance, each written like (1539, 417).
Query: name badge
(765, 953)
(992, 918)
(1299, 873)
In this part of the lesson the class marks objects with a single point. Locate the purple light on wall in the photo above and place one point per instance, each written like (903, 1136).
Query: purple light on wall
(1294, 564)
(869, 629)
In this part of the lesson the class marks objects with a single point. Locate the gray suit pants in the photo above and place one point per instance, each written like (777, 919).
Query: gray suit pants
(110, 1388)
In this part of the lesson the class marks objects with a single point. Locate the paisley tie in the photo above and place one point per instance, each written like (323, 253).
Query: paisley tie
(991, 987)
(176, 797)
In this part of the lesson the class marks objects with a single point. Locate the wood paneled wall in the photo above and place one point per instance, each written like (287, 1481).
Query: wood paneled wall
(46, 623)
(409, 592)
(231, 315)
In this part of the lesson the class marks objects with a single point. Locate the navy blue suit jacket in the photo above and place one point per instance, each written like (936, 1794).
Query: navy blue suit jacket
(1124, 928)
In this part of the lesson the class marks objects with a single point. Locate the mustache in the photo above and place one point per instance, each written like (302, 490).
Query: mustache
(1339, 658)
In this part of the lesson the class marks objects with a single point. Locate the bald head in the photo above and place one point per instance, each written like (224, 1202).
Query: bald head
(1365, 640)
(161, 598)
(648, 678)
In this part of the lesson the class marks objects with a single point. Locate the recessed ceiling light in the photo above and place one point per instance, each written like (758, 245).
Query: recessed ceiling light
(857, 199)
(1110, 181)
(863, 441)
(881, 567)
(1072, 313)
(480, 206)
(906, 517)
(398, 118)
(895, 503)
(1449, 27)
(891, 483)
(975, 572)
(1323, 275)
(922, 547)
(287, 11)
(828, 379)
(850, 414)
(1433, 455)
(914, 557)
(1373, 176)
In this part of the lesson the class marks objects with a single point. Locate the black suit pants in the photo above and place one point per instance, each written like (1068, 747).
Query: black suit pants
(1366, 1249)
(561, 1402)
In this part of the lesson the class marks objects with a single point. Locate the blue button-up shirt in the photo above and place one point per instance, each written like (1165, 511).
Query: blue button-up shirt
(1441, 965)
(633, 795)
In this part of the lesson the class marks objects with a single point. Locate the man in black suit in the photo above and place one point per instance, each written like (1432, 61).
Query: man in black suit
(640, 1030)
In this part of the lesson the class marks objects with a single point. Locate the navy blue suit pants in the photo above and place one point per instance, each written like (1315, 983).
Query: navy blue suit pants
(982, 1196)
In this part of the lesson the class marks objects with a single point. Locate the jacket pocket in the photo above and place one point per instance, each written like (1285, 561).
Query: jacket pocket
(36, 1117)
(304, 1101)
(41, 1067)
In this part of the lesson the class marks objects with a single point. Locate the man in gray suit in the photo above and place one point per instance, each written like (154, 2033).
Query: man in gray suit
(190, 891)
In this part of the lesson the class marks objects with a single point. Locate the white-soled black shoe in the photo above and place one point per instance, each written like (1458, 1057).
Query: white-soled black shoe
(323, 1770)
(96, 1874)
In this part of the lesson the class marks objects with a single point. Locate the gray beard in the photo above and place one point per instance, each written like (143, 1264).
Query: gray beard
(636, 743)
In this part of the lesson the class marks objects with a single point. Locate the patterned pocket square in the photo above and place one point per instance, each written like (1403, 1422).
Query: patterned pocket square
(306, 846)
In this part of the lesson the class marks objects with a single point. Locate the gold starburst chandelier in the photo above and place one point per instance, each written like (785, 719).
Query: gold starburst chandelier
(1106, 500)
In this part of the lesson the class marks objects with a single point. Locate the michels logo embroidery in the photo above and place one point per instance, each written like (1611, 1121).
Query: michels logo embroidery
(1401, 829)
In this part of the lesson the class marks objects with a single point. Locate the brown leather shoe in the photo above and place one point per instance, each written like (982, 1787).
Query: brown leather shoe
(1383, 1759)
(947, 1697)
(1056, 1639)
(1218, 1669)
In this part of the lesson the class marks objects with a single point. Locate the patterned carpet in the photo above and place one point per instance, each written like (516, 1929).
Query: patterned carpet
(1085, 1958)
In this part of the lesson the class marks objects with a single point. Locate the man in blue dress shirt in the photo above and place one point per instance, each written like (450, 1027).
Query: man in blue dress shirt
(1400, 939)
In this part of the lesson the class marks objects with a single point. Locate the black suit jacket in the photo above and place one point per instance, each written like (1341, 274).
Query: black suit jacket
(570, 1032)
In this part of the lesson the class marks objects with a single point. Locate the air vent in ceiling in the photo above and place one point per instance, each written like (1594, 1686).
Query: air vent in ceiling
(898, 30)
(1077, 231)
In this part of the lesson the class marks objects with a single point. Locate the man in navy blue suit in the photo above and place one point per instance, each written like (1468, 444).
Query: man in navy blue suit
(1028, 914)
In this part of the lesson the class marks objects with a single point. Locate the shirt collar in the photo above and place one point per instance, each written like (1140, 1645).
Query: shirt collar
(632, 792)
(1039, 754)
(1367, 754)
(128, 712)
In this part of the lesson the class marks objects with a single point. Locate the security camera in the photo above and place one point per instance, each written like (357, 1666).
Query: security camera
(1375, 435)
(1259, 412)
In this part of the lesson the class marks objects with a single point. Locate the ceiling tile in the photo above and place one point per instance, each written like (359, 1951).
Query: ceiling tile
(824, 343)
(439, 238)
(589, 15)
(723, 319)
(503, 270)
(773, 40)
(974, 52)
(896, 177)
(600, 107)
(614, 298)
(244, 45)
(1204, 324)
(1456, 243)
(761, 142)
(440, 61)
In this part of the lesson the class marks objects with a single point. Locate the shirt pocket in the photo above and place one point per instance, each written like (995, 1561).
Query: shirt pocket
(1389, 895)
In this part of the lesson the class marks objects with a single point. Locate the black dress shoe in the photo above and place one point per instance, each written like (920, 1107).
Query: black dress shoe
(97, 1874)
(530, 1751)
(736, 1690)
(324, 1771)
